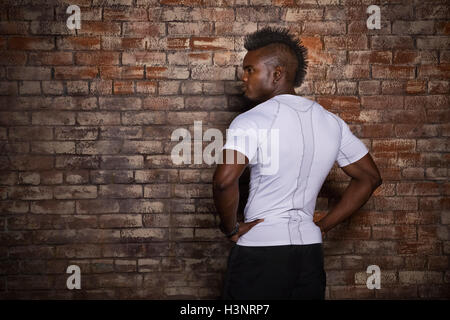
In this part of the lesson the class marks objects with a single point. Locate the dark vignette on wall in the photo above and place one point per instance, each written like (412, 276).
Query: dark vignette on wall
(86, 118)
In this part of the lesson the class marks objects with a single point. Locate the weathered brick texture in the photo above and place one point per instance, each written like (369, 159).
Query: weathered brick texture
(86, 118)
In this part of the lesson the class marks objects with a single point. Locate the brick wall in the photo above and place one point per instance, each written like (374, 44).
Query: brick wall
(86, 117)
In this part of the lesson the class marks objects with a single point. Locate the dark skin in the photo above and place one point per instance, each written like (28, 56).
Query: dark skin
(262, 81)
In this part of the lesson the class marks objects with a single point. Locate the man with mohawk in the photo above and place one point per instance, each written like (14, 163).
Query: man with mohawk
(278, 252)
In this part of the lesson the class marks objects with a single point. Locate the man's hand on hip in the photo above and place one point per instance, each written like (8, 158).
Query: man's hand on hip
(244, 228)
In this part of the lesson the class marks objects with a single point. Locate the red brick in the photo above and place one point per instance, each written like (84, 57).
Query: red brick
(413, 27)
(149, 29)
(120, 221)
(182, 2)
(205, 103)
(382, 102)
(325, 87)
(29, 73)
(432, 71)
(78, 43)
(397, 87)
(298, 14)
(348, 72)
(143, 58)
(396, 203)
(31, 193)
(212, 14)
(123, 87)
(416, 86)
(329, 58)
(123, 162)
(438, 86)
(31, 43)
(372, 218)
(434, 144)
(36, 13)
(177, 43)
(391, 42)
(393, 72)
(8, 88)
(443, 27)
(124, 14)
(99, 28)
(51, 58)
(426, 11)
(369, 87)
(249, 14)
(233, 28)
(131, 72)
(148, 87)
(212, 73)
(393, 145)
(130, 43)
(415, 130)
(349, 42)
(178, 118)
(56, 28)
(70, 73)
(438, 116)
(433, 42)
(337, 104)
(194, 191)
(373, 57)
(324, 28)
(312, 43)
(415, 57)
(14, 118)
(97, 58)
(144, 234)
(205, 43)
(165, 72)
(423, 188)
(163, 103)
(356, 232)
(189, 28)
(377, 130)
(428, 102)
(13, 58)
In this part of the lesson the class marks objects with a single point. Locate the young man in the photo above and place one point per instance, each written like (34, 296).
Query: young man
(291, 144)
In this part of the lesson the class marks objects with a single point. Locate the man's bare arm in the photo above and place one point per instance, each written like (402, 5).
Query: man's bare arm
(226, 188)
(365, 180)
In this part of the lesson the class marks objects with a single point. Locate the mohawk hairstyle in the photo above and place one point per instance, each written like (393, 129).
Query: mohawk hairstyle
(268, 35)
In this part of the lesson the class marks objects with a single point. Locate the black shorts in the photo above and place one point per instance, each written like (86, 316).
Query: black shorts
(275, 272)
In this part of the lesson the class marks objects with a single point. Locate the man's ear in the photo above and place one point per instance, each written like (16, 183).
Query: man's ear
(278, 73)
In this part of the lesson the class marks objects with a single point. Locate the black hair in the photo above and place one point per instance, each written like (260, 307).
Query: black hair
(268, 36)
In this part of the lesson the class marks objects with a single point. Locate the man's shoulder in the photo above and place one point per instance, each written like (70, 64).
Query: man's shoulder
(259, 116)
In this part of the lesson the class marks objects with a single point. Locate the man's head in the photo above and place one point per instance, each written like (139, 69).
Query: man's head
(274, 64)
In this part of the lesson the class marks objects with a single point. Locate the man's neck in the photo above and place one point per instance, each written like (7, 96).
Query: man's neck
(283, 91)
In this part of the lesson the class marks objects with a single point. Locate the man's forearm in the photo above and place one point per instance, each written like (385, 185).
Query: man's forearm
(354, 197)
(226, 201)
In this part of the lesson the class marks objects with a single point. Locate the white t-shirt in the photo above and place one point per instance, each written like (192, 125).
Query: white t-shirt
(291, 143)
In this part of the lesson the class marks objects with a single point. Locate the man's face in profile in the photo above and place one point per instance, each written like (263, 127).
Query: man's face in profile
(257, 76)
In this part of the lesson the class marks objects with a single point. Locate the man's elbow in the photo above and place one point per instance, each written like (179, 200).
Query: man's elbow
(222, 184)
(376, 182)
(372, 181)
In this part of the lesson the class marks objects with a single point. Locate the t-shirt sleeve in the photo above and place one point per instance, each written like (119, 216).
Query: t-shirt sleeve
(242, 136)
(351, 149)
